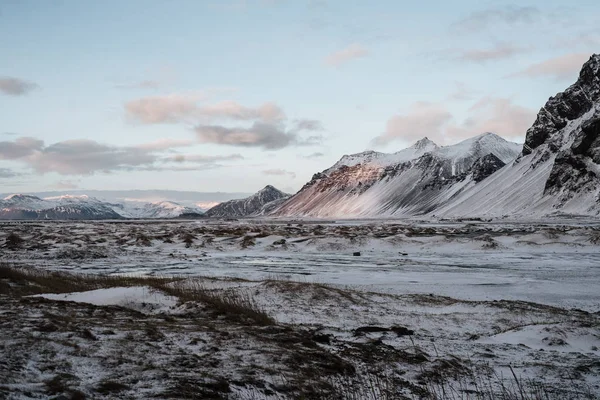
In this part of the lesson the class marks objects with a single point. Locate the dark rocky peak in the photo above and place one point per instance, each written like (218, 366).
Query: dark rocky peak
(486, 166)
(566, 106)
(270, 192)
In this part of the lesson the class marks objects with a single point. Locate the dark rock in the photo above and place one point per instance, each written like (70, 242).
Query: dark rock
(486, 166)
(356, 254)
(402, 331)
(369, 329)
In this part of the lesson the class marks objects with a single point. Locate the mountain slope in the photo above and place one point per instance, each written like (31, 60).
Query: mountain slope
(413, 181)
(559, 168)
(258, 204)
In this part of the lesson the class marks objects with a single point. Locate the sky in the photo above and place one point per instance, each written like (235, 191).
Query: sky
(230, 96)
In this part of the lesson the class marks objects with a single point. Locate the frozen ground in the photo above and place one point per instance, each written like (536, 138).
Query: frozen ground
(551, 263)
(423, 302)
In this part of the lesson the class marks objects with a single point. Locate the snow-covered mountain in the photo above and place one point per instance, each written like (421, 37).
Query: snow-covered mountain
(22, 206)
(413, 181)
(160, 209)
(260, 203)
(559, 168)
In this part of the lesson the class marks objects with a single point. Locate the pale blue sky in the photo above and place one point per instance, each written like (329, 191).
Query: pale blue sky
(234, 95)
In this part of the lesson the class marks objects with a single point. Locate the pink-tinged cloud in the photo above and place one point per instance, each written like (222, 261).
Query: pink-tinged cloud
(499, 52)
(202, 158)
(343, 56)
(490, 114)
(87, 157)
(165, 144)
(186, 109)
(423, 119)
(15, 87)
(280, 172)
(559, 68)
(162, 109)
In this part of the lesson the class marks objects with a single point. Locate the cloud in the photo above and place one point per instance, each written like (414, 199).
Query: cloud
(8, 173)
(146, 84)
(461, 92)
(201, 158)
(86, 157)
(560, 68)
(186, 108)
(492, 17)
(162, 109)
(313, 155)
(19, 148)
(280, 172)
(492, 114)
(266, 136)
(423, 119)
(15, 86)
(343, 56)
(66, 185)
(308, 125)
(489, 114)
(499, 52)
(165, 144)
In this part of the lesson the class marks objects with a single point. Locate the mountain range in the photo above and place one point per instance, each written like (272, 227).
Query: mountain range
(555, 171)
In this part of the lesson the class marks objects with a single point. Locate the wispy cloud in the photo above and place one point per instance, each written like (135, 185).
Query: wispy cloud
(559, 68)
(146, 84)
(508, 15)
(165, 144)
(202, 158)
(266, 136)
(498, 52)
(15, 87)
(87, 157)
(314, 155)
(186, 108)
(346, 55)
(8, 173)
(66, 185)
(280, 172)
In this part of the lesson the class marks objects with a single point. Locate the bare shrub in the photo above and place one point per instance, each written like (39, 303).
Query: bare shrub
(14, 241)
(240, 307)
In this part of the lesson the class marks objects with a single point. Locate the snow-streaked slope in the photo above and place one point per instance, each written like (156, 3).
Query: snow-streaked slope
(414, 181)
(257, 204)
(559, 170)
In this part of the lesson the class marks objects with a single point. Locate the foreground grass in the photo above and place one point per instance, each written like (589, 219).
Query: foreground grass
(233, 327)
(29, 281)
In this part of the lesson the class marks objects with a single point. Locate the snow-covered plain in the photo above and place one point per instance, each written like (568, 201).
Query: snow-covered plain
(500, 294)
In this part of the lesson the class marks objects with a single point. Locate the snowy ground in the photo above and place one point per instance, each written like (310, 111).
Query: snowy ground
(476, 296)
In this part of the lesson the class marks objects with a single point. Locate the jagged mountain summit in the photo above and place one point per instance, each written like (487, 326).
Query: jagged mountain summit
(260, 203)
(558, 171)
(412, 181)
(83, 207)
